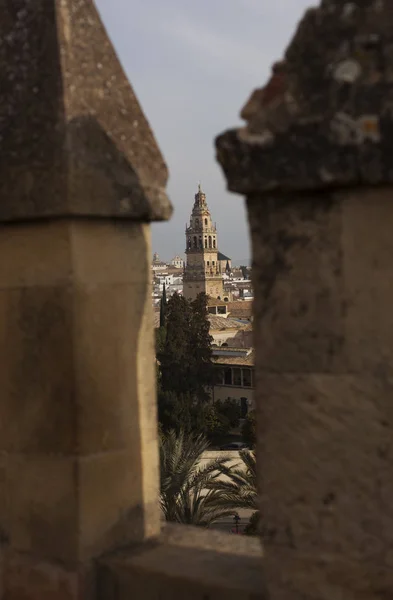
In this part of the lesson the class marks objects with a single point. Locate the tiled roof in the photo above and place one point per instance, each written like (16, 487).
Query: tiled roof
(241, 361)
(220, 323)
(221, 256)
(216, 302)
(241, 308)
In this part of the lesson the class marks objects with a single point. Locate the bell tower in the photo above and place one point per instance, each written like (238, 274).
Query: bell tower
(202, 271)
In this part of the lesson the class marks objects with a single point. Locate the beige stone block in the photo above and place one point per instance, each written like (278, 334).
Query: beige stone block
(68, 396)
(109, 333)
(367, 245)
(70, 509)
(113, 507)
(35, 255)
(4, 501)
(110, 252)
(321, 577)
(325, 463)
(299, 321)
(27, 578)
(192, 569)
(37, 411)
(43, 510)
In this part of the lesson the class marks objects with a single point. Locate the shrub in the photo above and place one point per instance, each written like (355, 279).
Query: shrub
(249, 429)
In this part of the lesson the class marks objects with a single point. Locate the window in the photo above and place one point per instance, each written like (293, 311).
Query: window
(237, 377)
(210, 241)
(247, 377)
(205, 221)
(195, 241)
(207, 263)
(197, 222)
(214, 242)
(222, 310)
(228, 376)
(213, 263)
(205, 242)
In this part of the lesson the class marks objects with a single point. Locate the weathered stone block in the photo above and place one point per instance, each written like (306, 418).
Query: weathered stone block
(37, 408)
(79, 388)
(29, 579)
(315, 161)
(187, 563)
(73, 136)
(323, 122)
(43, 506)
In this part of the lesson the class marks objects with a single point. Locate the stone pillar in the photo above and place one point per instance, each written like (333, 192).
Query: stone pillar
(315, 161)
(81, 176)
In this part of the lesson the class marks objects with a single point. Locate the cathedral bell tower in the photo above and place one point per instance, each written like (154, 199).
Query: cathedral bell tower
(202, 271)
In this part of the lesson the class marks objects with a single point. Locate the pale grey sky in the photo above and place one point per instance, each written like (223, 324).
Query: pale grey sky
(192, 65)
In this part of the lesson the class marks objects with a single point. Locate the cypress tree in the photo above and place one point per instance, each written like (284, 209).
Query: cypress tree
(163, 304)
(202, 373)
(175, 355)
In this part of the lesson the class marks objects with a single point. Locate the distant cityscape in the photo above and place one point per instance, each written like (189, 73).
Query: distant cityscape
(204, 268)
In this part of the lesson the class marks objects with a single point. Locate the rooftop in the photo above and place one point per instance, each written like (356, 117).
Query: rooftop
(221, 256)
(242, 308)
(235, 357)
(218, 323)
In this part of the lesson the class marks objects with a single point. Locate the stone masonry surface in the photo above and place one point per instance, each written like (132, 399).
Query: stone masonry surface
(69, 120)
(325, 119)
(315, 160)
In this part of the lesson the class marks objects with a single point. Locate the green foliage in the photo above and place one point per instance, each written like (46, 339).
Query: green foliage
(198, 495)
(221, 417)
(239, 489)
(180, 412)
(187, 492)
(202, 372)
(216, 423)
(160, 339)
(185, 358)
(231, 410)
(186, 372)
(163, 304)
(249, 429)
(252, 527)
(174, 356)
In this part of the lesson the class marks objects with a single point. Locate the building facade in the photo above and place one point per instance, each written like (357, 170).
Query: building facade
(177, 262)
(235, 377)
(202, 271)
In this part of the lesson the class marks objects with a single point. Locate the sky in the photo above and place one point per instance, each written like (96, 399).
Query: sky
(193, 64)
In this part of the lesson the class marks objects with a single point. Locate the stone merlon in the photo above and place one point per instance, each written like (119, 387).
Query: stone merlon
(325, 118)
(73, 138)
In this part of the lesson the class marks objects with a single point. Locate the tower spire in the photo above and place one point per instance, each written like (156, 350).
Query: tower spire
(202, 271)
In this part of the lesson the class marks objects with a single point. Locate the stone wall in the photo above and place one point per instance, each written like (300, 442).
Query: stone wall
(81, 177)
(315, 162)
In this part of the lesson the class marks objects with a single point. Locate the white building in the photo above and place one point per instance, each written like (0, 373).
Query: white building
(177, 262)
(235, 376)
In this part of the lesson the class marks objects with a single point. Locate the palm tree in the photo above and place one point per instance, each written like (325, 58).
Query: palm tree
(239, 488)
(188, 493)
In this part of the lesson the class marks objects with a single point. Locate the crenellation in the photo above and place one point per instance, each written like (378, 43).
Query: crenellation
(314, 160)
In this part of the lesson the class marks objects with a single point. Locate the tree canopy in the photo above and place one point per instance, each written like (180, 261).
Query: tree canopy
(185, 359)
